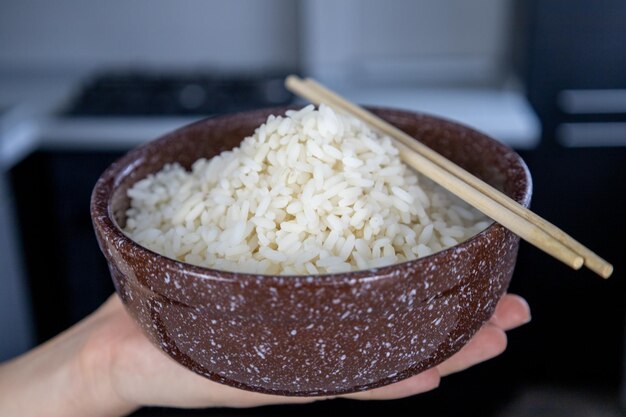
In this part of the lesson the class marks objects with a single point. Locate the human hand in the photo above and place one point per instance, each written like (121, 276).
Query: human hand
(143, 375)
(105, 366)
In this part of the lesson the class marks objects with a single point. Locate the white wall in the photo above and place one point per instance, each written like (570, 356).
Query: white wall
(359, 40)
(406, 41)
(68, 34)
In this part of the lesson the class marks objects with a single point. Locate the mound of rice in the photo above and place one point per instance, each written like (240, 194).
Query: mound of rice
(310, 192)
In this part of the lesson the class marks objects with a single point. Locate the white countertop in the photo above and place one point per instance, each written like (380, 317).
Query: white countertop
(505, 115)
(29, 120)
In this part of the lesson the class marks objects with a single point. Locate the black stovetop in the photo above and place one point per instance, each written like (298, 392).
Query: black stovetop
(142, 93)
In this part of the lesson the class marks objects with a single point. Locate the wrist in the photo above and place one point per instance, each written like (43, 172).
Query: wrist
(93, 369)
(66, 376)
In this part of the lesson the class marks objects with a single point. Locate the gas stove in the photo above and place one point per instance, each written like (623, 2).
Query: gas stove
(176, 94)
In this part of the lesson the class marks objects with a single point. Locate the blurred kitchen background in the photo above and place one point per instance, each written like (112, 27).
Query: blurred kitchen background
(83, 82)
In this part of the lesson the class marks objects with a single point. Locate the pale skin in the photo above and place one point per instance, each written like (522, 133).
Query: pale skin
(105, 366)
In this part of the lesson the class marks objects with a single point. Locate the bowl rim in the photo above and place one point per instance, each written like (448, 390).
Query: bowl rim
(106, 185)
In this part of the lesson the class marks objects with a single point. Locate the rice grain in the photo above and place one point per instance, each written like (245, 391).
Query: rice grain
(309, 192)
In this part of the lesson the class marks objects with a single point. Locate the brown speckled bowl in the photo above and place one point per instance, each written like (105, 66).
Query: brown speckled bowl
(311, 335)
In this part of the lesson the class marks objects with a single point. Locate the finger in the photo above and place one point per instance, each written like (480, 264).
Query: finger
(416, 384)
(487, 343)
(112, 303)
(512, 311)
(422, 382)
(245, 399)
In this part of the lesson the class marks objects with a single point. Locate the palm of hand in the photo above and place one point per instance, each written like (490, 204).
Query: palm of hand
(141, 374)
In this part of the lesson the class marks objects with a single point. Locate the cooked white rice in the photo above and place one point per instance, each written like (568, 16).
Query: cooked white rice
(310, 192)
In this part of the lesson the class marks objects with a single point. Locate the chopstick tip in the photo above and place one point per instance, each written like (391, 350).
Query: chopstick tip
(291, 80)
(607, 271)
(578, 262)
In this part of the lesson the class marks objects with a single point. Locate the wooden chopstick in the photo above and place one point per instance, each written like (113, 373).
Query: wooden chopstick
(591, 259)
(455, 185)
(490, 201)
